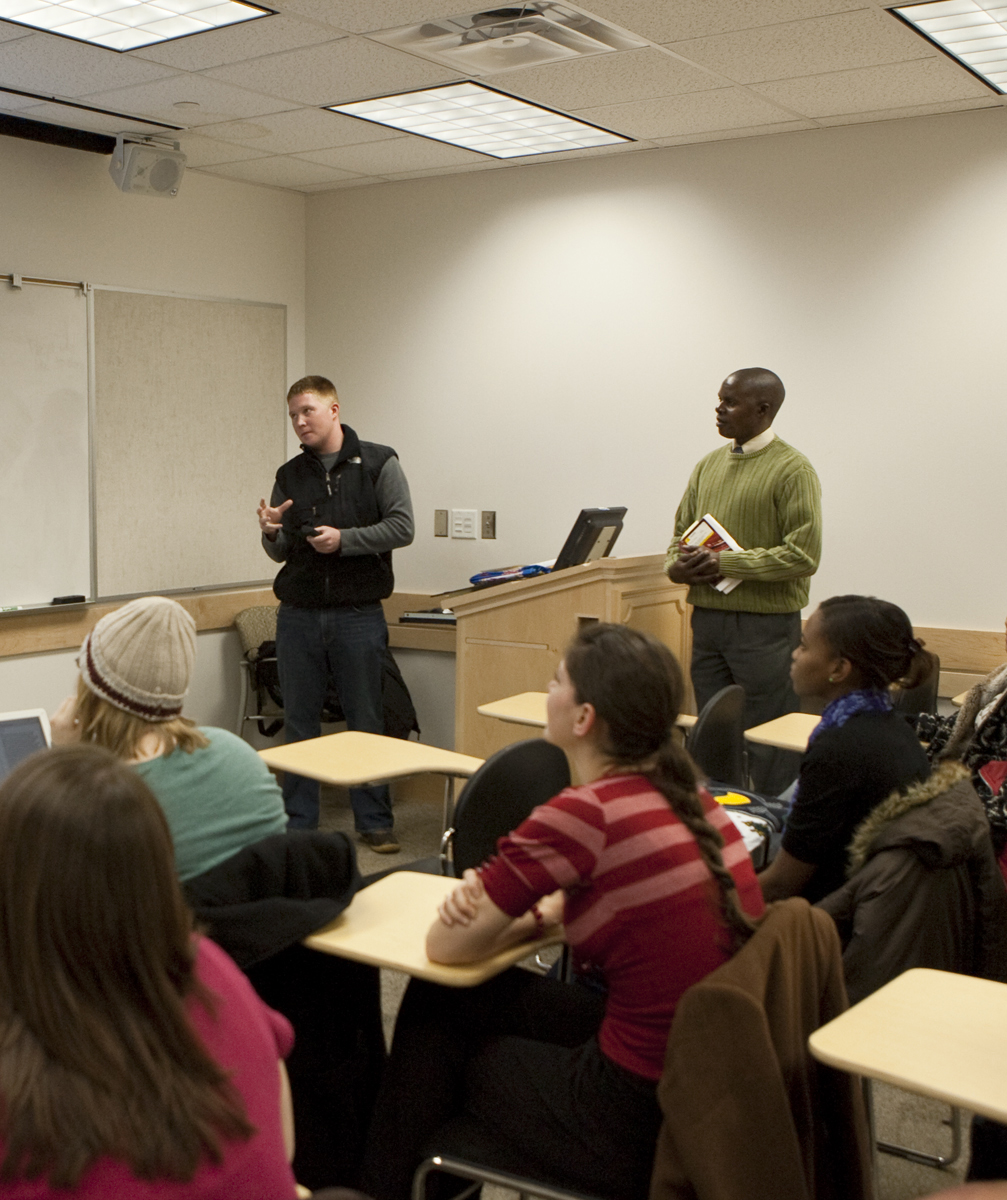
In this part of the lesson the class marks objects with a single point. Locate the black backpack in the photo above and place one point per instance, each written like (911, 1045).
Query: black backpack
(400, 713)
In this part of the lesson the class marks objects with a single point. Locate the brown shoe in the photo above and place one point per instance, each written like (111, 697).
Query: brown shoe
(381, 841)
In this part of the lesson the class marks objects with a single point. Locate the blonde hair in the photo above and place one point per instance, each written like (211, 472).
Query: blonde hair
(103, 724)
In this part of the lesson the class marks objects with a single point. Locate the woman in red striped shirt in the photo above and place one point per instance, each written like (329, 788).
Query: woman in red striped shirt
(655, 889)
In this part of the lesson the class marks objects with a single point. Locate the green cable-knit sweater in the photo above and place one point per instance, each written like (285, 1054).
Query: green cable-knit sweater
(771, 503)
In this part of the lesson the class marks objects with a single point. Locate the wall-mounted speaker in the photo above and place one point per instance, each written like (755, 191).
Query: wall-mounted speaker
(146, 168)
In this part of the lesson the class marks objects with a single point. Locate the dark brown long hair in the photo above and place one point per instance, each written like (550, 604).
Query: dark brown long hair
(635, 685)
(97, 1055)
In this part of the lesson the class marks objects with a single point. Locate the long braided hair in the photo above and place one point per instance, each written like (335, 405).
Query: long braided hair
(635, 686)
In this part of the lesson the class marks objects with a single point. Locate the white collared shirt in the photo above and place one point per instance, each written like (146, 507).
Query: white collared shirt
(759, 442)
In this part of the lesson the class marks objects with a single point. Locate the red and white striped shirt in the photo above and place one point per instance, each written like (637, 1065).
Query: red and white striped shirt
(641, 906)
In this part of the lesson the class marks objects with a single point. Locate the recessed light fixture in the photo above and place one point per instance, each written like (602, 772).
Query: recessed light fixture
(479, 118)
(970, 31)
(128, 24)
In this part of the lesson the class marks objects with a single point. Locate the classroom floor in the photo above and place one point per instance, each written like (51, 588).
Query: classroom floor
(902, 1118)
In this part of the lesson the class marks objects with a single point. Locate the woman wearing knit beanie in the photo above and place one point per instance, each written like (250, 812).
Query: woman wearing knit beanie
(216, 793)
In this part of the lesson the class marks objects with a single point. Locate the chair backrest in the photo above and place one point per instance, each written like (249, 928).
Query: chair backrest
(747, 1110)
(923, 697)
(499, 796)
(717, 740)
(256, 625)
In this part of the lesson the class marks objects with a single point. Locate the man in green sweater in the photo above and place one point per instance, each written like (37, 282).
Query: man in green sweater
(766, 495)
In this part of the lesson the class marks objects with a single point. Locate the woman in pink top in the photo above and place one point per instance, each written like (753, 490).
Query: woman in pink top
(135, 1059)
(655, 888)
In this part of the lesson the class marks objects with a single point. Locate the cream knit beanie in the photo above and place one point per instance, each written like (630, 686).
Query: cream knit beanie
(139, 658)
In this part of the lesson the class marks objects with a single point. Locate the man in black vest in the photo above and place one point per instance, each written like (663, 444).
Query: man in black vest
(336, 513)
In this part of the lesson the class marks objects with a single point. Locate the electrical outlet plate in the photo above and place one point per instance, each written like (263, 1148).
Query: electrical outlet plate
(488, 523)
(440, 522)
(463, 522)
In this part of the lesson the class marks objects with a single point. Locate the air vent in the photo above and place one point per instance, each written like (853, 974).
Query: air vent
(505, 39)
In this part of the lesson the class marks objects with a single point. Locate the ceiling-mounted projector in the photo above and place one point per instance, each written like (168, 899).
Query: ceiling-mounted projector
(147, 168)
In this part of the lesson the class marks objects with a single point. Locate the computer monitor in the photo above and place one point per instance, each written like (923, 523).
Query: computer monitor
(592, 537)
(21, 734)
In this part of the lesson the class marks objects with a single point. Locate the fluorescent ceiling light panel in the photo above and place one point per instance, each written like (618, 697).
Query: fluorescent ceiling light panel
(482, 119)
(973, 32)
(128, 24)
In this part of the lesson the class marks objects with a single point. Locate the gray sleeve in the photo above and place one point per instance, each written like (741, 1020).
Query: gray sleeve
(280, 548)
(395, 529)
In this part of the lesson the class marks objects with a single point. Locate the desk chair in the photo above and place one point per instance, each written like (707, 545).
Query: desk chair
(747, 1111)
(923, 697)
(495, 800)
(717, 740)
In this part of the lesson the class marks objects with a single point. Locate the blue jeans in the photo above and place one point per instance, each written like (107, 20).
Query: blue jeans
(345, 645)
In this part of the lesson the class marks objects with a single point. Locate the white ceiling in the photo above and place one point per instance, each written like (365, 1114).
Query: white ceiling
(249, 96)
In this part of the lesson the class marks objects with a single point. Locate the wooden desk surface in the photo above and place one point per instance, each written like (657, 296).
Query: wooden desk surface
(387, 923)
(932, 1032)
(959, 700)
(528, 708)
(789, 732)
(349, 759)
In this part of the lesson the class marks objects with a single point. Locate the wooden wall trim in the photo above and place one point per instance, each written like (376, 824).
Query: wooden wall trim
(42, 630)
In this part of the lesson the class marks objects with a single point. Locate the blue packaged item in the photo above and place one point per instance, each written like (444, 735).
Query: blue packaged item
(506, 574)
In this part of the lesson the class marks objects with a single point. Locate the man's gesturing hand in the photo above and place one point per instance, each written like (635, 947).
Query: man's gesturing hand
(327, 540)
(271, 519)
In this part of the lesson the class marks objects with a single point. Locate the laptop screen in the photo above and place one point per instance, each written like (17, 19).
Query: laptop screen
(19, 736)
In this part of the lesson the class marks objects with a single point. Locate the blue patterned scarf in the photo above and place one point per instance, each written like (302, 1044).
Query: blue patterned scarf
(840, 710)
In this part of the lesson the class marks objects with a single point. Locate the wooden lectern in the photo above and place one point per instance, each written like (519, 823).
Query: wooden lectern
(511, 637)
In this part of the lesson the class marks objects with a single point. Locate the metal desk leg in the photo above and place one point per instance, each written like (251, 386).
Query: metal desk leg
(449, 800)
(940, 1161)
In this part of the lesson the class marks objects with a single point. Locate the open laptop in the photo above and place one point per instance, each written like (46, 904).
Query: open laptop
(21, 734)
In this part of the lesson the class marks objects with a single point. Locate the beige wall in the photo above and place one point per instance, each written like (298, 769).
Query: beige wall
(537, 339)
(62, 217)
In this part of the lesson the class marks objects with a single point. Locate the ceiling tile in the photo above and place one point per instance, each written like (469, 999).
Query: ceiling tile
(9, 32)
(400, 154)
(278, 171)
(60, 66)
(235, 43)
(348, 69)
(365, 16)
(491, 164)
(339, 184)
(607, 79)
(661, 21)
(14, 104)
(926, 81)
(80, 118)
(866, 38)
(726, 108)
(721, 135)
(217, 101)
(300, 129)
(208, 152)
(918, 110)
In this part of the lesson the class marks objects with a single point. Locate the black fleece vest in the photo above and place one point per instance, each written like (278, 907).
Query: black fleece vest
(345, 499)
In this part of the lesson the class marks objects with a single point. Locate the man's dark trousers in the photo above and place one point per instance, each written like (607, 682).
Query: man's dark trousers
(347, 645)
(754, 650)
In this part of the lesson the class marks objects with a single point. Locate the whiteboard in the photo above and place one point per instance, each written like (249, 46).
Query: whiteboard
(44, 461)
(189, 429)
